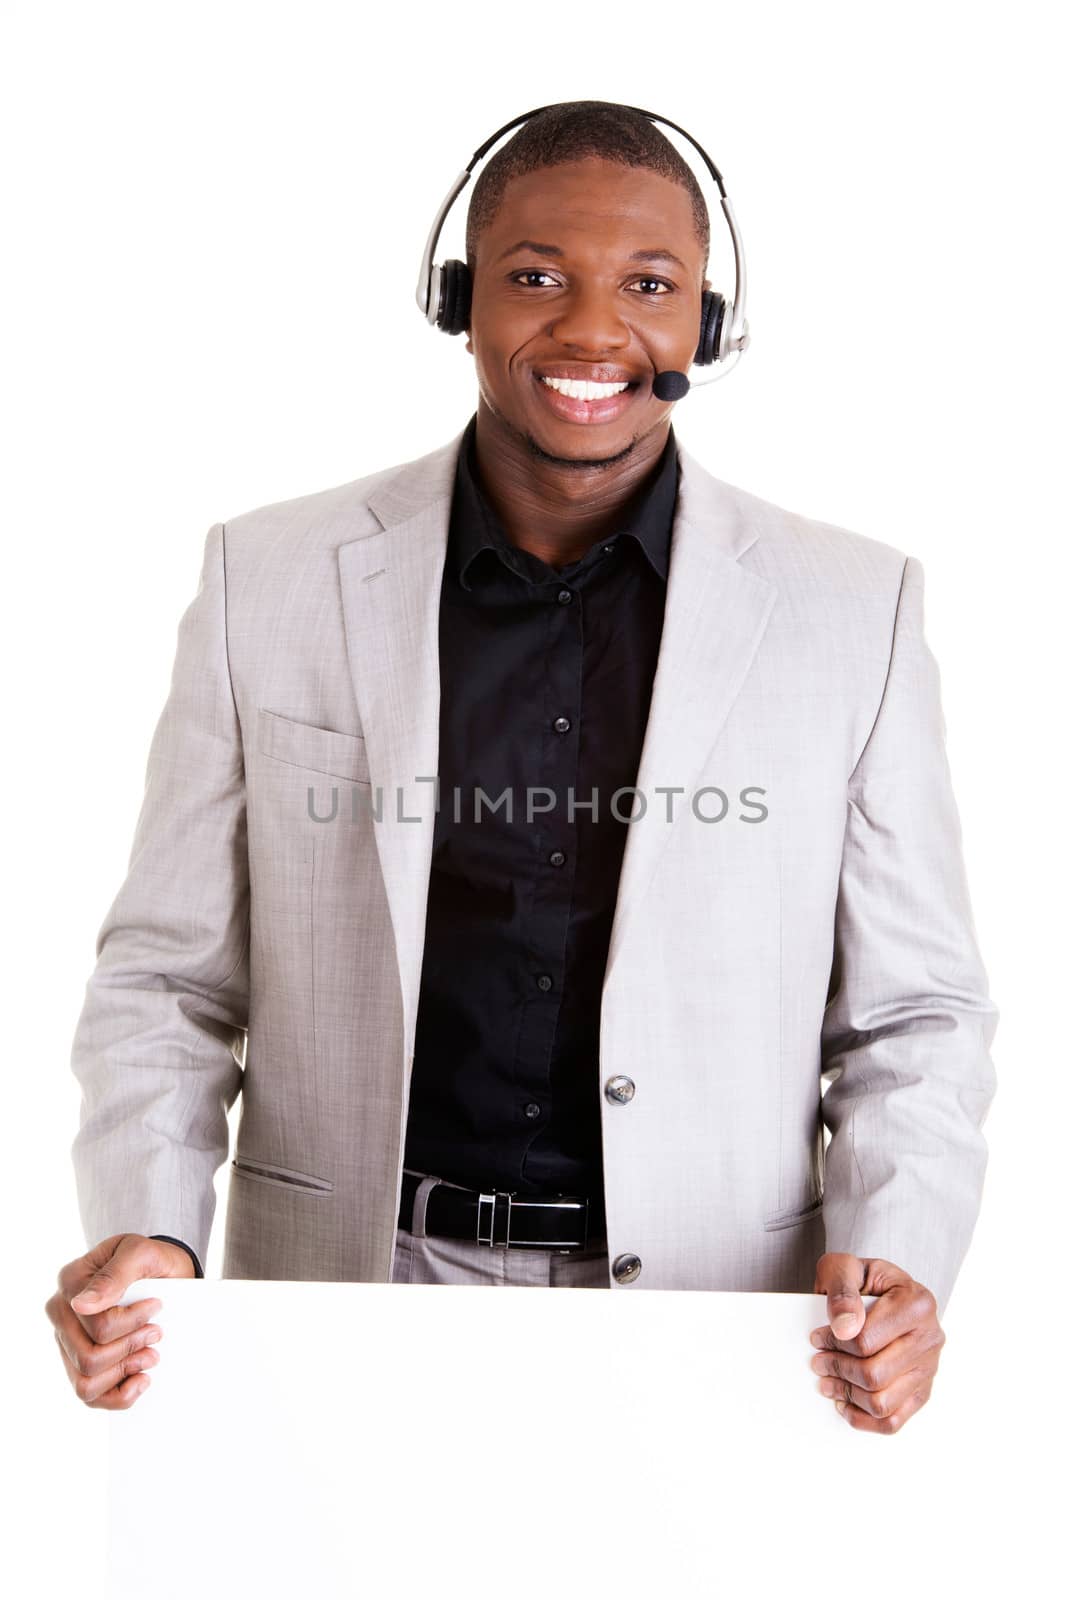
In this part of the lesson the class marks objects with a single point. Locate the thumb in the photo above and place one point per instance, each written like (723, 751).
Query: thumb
(133, 1257)
(845, 1308)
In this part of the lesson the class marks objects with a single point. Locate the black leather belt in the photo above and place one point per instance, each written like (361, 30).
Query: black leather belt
(496, 1217)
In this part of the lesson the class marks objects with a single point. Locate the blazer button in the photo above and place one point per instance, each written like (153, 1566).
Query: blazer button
(619, 1090)
(626, 1268)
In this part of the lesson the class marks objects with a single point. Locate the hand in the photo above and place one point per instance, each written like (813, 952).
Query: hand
(105, 1346)
(879, 1367)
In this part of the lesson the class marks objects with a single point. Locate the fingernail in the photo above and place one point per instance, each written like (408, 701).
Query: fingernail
(839, 1405)
(150, 1338)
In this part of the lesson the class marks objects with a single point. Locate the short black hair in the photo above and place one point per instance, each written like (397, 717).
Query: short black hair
(572, 131)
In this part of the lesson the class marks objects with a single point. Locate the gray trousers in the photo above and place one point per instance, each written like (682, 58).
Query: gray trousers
(429, 1258)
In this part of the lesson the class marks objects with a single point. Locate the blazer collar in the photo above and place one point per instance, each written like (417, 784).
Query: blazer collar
(728, 519)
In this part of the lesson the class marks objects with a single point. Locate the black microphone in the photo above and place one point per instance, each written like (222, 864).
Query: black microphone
(670, 385)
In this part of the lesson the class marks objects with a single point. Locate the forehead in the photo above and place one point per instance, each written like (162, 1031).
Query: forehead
(593, 197)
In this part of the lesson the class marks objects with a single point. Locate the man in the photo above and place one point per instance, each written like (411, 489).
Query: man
(617, 1010)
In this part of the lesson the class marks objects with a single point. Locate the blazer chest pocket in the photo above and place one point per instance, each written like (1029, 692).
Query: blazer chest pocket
(283, 1177)
(794, 1217)
(303, 744)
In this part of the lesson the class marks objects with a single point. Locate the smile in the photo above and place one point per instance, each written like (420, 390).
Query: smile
(581, 401)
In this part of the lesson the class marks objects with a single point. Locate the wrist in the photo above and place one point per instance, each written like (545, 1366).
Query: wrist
(184, 1256)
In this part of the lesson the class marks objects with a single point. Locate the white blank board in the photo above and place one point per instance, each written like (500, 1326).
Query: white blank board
(343, 1439)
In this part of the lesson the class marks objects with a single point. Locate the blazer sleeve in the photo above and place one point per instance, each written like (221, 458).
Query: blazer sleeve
(909, 1021)
(158, 1046)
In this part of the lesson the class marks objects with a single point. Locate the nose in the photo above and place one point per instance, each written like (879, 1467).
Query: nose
(590, 322)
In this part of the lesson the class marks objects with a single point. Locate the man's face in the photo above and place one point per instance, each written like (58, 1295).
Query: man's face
(583, 307)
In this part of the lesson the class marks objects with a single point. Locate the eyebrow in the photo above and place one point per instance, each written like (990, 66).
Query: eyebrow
(555, 250)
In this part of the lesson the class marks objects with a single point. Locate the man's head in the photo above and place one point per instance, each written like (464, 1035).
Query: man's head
(613, 292)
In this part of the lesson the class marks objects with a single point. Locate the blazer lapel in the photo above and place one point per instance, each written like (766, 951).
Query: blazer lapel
(715, 615)
(391, 590)
(714, 618)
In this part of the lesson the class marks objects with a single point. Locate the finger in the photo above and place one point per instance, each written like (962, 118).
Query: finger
(118, 1321)
(845, 1310)
(115, 1388)
(841, 1276)
(133, 1256)
(103, 1289)
(892, 1315)
(912, 1352)
(90, 1357)
(880, 1403)
(859, 1419)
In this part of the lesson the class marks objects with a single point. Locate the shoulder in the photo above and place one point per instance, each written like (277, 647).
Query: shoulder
(796, 551)
(327, 518)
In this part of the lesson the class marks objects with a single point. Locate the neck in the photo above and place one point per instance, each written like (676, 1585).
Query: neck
(557, 510)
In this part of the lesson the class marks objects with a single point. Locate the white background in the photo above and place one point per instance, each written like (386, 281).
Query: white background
(214, 219)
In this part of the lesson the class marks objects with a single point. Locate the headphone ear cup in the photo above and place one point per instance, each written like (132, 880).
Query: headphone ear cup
(455, 313)
(712, 308)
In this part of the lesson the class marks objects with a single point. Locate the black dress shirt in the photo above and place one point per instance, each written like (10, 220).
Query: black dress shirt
(546, 678)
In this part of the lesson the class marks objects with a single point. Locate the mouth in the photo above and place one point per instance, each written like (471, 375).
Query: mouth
(576, 400)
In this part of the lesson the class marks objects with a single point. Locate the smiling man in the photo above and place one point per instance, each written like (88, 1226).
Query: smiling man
(530, 830)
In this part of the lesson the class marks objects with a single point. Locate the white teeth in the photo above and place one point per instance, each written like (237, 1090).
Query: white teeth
(581, 390)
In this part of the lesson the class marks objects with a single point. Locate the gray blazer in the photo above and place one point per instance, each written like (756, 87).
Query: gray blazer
(793, 943)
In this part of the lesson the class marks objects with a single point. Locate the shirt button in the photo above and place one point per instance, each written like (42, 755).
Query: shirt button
(557, 858)
(606, 549)
(544, 981)
(532, 1109)
(564, 597)
(562, 724)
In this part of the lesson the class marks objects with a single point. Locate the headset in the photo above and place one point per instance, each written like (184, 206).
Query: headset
(443, 293)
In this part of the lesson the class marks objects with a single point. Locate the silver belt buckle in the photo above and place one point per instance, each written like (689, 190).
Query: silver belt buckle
(487, 1218)
(487, 1222)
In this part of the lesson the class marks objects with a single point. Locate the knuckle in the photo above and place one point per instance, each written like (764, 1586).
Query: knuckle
(93, 1363)
(83, 1387)
(925, 1301)
(68, 1276)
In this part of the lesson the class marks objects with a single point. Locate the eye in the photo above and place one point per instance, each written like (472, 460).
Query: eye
(533, 272)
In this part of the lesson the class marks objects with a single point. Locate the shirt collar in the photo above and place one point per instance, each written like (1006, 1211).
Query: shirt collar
(474, 526)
